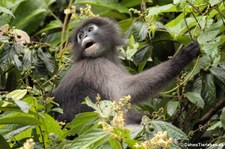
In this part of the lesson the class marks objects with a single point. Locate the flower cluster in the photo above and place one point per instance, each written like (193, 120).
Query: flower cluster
(83, 12)
(29, 144)
(120, 108)
(160, 139)
(87, 11)
(135, 11)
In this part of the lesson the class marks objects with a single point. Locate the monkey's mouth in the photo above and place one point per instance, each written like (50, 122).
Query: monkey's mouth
(89, 44)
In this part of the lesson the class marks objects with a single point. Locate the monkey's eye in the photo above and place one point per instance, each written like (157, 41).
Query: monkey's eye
(90, 28)
(80, 35)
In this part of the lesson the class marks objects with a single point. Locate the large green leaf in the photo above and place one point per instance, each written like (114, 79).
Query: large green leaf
(142, 55)
(19, 118)
(7, 11)
(52, 25)
(50, 125)
(178, 25)
(219, 73)
(172, 107)
(33, 17)
(195, 98)
(81, 120)
(160, 9)
(17, 94)
(27, 59)
(16, 129)
(6, 57)
(173, 132)
(3, 143)
(209, 89)
(140, 30)
(48, 60)
(92, 139)
(210, 34)
(222, 118)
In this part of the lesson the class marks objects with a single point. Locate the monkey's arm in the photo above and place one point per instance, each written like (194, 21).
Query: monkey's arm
(147, 83)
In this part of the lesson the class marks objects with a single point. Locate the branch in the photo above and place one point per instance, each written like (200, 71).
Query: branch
(211, 112)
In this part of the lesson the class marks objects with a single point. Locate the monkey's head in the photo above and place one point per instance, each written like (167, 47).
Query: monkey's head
(96, 37)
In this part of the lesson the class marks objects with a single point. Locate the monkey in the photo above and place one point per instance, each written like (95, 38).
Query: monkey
(97, 69)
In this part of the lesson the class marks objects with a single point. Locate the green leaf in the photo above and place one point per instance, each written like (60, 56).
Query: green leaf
(7, 11)
(214, 2)
(222, 118)
(6, 57)
(17, 129)
(173, 132)
(22, 105)
(209, 89)
(160, 9)
(17, 94)
(210, 34)
(27, 59)
(142, 55)
(52, 25)
(47, 59)
(105, 3)
(4, 39)
(3, 143)
(22, 23)
(90, 103)
(20, 119)
(140, 30)
(178, 27)
(81, 120)
(195, 98)
(92, 139)
(50, 125)
(172, 107)
(219, 73)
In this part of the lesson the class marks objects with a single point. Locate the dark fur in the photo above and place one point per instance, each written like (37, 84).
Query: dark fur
(108, 77)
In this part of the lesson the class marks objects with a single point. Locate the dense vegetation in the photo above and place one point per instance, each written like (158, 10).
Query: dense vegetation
(34, 56)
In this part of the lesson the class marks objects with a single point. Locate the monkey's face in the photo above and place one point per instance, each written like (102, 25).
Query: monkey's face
(96, 37)
(92, 42)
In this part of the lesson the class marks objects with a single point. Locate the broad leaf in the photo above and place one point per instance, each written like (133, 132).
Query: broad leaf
(7, 11)
(20, 118)
(17, 94)
(195, 98)
(48, 60)
(222, 118)
(173, 132)
(3, 143)
(172, 107)
(16, 129)
(50, 125)
(140, 30)
(160, 9)
(219, 73)
(81, 120)
(142, 55)
(209, 89)
(92, 139)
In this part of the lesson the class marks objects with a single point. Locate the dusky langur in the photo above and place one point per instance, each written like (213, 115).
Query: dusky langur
(97, 70)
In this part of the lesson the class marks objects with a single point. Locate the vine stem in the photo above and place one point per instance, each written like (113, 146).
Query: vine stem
(64, 27)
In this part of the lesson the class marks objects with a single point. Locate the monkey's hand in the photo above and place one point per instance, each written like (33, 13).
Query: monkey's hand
(191, 51)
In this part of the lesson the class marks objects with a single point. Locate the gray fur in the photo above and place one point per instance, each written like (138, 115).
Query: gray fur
(104, 74)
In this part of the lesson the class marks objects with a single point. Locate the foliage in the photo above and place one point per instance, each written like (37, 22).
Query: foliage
(34, 47)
